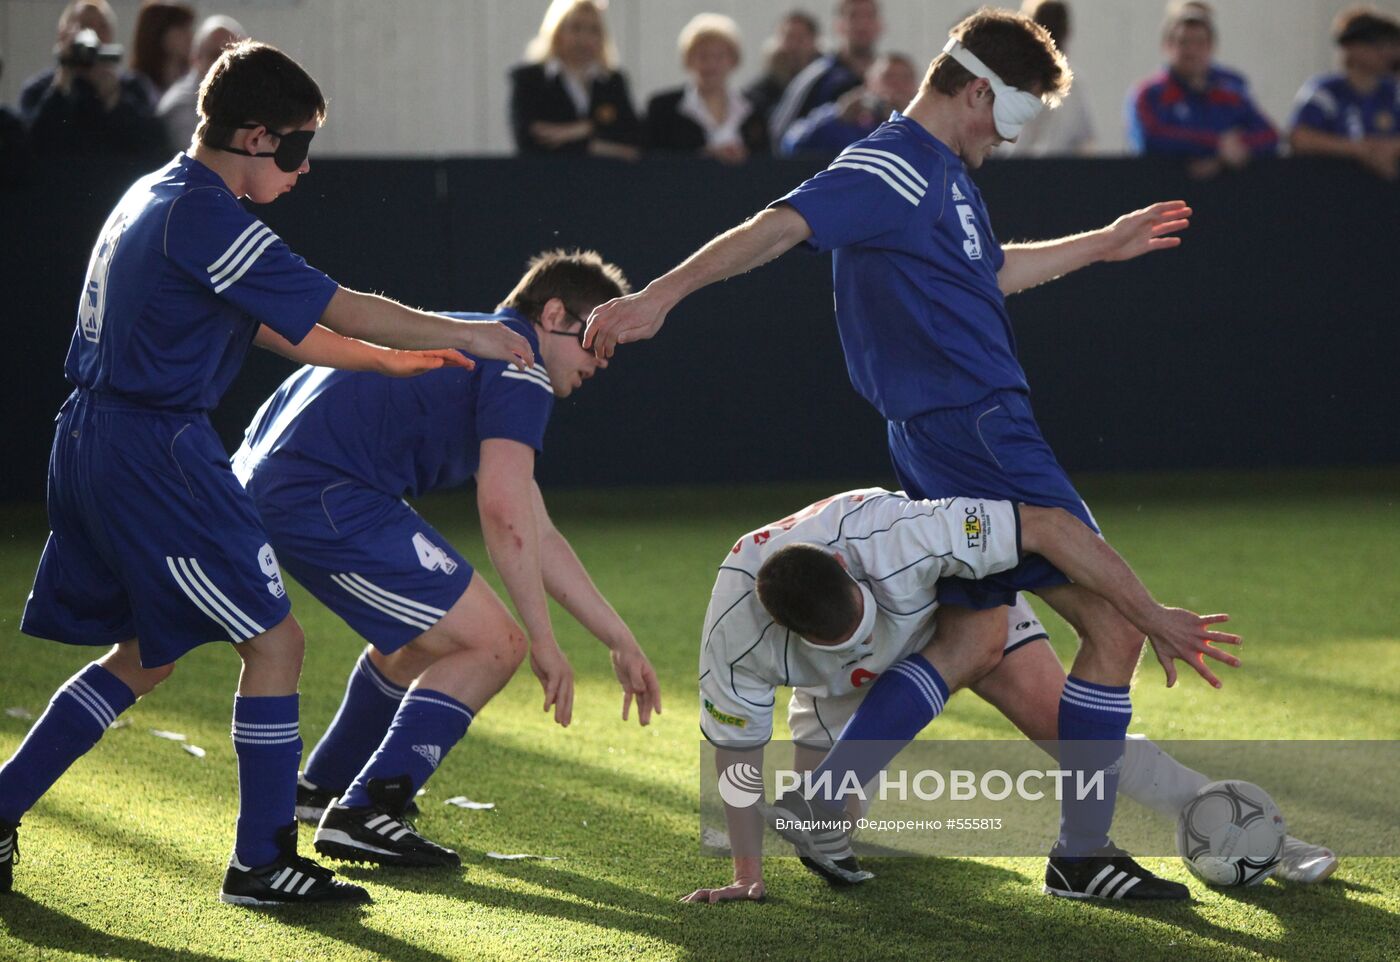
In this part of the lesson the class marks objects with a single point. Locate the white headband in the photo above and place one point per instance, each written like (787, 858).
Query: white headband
(863, 631)
(1013, 107)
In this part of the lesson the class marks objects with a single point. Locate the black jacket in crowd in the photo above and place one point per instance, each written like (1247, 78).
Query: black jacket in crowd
(535, 96)
(669, 129)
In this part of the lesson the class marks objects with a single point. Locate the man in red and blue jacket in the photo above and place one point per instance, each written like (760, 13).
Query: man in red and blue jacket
(1194, 109)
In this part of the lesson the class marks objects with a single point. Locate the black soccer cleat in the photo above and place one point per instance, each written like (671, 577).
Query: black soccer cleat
(9, 855)
(289, 880)
(380, 832)
(312, 802)
(1109, 873)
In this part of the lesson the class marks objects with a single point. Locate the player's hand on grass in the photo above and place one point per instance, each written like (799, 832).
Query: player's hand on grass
(1146, 230)
(1178, 633)
(494, 340)
(739, 890)
(410, 363)
(556, 677)
(623, 320)
(638, 680)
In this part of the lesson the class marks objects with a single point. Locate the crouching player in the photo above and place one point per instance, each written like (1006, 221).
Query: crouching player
(154, 547)
(861, 569)
(328, 460)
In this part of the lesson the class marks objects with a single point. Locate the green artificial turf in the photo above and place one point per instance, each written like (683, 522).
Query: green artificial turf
(123, 858)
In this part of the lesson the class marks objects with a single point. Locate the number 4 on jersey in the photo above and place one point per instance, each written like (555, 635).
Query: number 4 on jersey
(432, 557)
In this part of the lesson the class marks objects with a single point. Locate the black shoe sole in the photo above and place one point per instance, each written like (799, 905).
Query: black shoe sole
(347, 852)
(361, 897)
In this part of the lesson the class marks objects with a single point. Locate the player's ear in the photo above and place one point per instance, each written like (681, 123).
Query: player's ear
(259, 140)
(552, 314)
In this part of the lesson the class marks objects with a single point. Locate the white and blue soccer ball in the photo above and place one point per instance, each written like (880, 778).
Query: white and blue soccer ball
(1231, 833)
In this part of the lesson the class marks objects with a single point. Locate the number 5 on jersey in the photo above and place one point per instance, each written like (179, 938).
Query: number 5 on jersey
(973, 245)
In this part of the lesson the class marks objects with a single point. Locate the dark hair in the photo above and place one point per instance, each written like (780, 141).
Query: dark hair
(843, 7)
(153, 22)
(1365, 25)
(1021, 51)
(254, 82)
(1053, 15)
(806, 590)
(581, 279)
(804, 18)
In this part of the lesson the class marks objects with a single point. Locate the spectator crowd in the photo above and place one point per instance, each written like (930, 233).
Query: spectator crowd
(571, 96)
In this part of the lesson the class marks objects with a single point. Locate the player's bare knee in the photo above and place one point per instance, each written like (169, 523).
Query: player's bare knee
(283, 646)
(511, 649)
(124, 661)
(987, 660)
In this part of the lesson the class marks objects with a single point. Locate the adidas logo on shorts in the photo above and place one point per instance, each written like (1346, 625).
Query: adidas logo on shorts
(431, 752)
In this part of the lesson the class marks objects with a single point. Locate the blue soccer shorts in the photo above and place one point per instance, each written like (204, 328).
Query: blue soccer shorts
(991, 449)
(151, 537)
(364, 554)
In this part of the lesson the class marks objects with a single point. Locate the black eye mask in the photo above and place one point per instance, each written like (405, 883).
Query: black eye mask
(292, 148)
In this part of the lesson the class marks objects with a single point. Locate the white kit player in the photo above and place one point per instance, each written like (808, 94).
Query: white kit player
(891, 551)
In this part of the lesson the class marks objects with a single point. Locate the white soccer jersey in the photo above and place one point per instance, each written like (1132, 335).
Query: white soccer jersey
(896, 547)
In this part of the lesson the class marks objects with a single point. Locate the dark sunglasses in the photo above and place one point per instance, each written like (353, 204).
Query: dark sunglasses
(292, 148)
(576, 335)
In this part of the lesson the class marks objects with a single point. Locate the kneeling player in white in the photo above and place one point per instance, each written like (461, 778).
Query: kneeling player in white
(328, 461)
(894, 550)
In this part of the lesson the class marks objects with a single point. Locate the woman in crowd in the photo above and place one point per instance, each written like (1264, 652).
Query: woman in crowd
(569, 97)
(708, 114)
(160, 51)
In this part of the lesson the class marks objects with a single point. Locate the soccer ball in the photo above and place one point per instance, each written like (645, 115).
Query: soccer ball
(1231, 833)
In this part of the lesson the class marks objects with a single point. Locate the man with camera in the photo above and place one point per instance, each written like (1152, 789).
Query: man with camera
(87, 103)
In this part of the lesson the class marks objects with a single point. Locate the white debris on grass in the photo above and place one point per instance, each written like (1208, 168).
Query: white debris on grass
(461, 801)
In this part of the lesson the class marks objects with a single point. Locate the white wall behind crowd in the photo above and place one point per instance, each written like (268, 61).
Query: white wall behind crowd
(429, 76)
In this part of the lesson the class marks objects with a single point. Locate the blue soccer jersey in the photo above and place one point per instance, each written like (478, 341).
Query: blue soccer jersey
(399, 436)
(922, 320)
(176, 287)
(1329, 104)
(329, 457)
(151, 536)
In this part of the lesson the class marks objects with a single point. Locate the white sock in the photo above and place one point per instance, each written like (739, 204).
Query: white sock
(1153, 778)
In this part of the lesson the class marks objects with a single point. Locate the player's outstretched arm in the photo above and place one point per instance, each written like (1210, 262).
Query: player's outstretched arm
(503, 497)
(639, 316)
(379, 320)
(745, 841)
(323, 347)
(1132, 235)
(568, 582)
(1088, 560)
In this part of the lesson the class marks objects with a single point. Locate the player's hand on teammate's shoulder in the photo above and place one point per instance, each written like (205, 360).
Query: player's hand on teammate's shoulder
(1183, 634)
(638, 680)
(410, 363)
(494, 340)
(740, 890)
(556, 677)
(1146, 230)
(623, 320)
